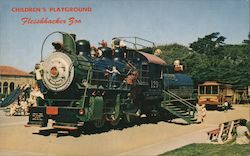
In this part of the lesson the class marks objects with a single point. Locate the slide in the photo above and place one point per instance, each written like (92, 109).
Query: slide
(11, 98)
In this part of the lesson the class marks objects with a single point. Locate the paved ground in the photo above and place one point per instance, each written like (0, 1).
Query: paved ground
(11, 120)
(146, 139)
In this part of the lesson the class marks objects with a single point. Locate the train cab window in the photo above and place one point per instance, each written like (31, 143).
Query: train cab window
(201, 89)
(144, 70)
(155, 71)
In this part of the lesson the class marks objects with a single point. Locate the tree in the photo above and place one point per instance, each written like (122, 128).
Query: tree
(172, 52)
(212, 59)
(209, 45)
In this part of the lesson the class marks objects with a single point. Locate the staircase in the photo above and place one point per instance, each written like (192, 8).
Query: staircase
(181, 108)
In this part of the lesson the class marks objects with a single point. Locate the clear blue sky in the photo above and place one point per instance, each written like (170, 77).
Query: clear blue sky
(162, 21)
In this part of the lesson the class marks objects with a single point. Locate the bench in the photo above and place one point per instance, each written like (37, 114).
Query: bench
(225, 131)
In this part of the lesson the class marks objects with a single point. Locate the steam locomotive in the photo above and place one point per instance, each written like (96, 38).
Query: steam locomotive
(87, 85)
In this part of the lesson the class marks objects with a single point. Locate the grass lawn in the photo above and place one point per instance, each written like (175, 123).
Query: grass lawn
(227, 149)
(211, 150)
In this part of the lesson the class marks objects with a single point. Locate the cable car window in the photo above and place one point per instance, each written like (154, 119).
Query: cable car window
(214, 89)
(201, 89)
(208, 89)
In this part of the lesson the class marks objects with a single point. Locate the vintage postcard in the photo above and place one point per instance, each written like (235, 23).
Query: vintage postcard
(124, 77)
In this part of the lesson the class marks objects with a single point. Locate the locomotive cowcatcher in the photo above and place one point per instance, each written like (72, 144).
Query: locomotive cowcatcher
(87, 85)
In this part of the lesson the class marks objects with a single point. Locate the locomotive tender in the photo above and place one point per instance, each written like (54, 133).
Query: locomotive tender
(120, 84)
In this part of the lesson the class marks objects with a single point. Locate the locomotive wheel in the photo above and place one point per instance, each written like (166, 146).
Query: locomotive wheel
(99, 123)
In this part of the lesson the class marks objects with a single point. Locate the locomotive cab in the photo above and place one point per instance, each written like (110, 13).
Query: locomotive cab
(150, 68)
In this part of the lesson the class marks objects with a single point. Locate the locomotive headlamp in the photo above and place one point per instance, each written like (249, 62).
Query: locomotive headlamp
(54, 72)
(57, 45)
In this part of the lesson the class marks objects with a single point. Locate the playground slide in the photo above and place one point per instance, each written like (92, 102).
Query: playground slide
(11, 98)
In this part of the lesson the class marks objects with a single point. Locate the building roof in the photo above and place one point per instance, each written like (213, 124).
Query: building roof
(12, 71)
(153, 59)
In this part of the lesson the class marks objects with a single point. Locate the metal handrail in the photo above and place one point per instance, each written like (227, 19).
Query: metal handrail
(86, 88)
(186, 103)
(190, 104)
(135, 43)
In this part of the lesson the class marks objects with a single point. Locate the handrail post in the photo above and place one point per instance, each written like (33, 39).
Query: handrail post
(86, 87)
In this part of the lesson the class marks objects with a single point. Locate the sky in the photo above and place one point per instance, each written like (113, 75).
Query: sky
(160, 21)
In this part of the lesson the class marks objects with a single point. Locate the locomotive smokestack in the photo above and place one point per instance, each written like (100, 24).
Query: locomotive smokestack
(69, 43)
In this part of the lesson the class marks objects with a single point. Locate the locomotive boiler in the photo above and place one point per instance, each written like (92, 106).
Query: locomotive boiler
(87, 85)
